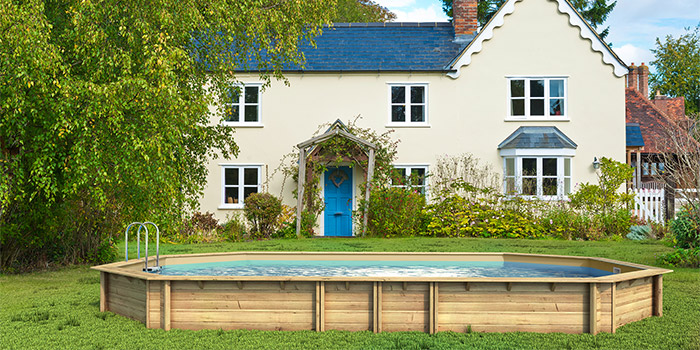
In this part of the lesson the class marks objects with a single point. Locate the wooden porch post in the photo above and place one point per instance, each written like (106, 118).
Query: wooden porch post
(370, 175)
(300, 186)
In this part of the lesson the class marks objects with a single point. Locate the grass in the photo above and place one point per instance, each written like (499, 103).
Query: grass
(60, 309)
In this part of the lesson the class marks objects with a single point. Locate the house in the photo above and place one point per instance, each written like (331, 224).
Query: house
(652, 125)
(535, 93)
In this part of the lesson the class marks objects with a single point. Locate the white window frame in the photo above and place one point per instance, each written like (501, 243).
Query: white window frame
(408, 168)
(527, 98)
(408, 123)
(242, 105)
(561, 176)
(241, 185)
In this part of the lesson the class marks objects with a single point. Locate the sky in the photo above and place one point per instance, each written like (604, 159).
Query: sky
(634, 24)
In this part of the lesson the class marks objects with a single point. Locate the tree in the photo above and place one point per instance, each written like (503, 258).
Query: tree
(362, 11)
(104, 111)
(677, 66)
(593, 11)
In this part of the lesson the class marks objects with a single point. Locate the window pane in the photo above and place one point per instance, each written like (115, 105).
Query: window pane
(556, 107)
(417, 113)
(251, 94)
(517, 107)
(231, 176)
(530, 186)
(418, 176)
(231, 195)
(567, 167)
(510, 166)
(567, 186)
(247, 191)
(398, 177)
(536, 107)
(529, 166)
(556, 88)
(231, 113)
(417, 94)
(510, 185)
(233, 94)
(398, 113)
(251, 113)
(398, 94)
(549, 187)
(517, 88)
(536, 88)
(549, 167)
(250, 176)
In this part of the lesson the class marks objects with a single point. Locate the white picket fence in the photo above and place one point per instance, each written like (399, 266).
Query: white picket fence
(649, 204)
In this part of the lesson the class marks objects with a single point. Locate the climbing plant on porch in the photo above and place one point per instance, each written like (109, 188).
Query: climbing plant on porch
(340, 144)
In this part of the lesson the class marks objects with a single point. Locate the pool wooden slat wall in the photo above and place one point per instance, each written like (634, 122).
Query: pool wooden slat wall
(127, 296)
(386, 304)
(248, 305)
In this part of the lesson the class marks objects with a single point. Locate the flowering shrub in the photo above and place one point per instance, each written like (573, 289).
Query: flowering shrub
(458, 217)
(686, 227)
(682, 258)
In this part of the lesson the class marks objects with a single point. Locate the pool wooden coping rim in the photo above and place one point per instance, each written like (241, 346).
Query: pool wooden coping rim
(132, 268)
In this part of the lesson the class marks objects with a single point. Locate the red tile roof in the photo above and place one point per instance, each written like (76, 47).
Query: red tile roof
(656, 126)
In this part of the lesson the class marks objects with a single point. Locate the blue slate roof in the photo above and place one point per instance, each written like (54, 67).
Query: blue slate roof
(537, 137)
(380, 47)
(634, 136)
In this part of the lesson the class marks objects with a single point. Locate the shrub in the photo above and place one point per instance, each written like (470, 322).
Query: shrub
(233, 229)
(456, 216)
(262, 210)
(393, 212)
(199, 228)
(639, 232)
(686, 227)
(682, 258)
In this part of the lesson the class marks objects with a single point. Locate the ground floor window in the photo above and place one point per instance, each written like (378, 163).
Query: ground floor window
(413, 176)
(545, 177)
(238, 182)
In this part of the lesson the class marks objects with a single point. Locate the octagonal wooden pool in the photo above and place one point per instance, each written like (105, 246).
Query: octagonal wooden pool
(630, 292)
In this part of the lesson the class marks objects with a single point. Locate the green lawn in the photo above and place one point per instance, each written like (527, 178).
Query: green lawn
(60, 309)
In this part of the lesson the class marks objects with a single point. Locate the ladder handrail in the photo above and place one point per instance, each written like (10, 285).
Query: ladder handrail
(138, 241)
(157, 243)
(142, 225)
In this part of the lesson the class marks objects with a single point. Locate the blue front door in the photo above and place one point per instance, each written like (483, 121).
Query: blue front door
(338, 197)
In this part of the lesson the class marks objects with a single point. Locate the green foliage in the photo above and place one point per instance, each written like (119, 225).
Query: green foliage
(104, 110)
(604, 197)
(361, 11)
(595, 12)
(677, 65)
(639, 232)
(458, 217)
(686, 227)
(393, 212)
(464, 175)
(234, 229)
(262, 210)
(682, 257)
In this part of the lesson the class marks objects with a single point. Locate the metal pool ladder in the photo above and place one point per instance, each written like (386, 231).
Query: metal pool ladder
(143, 225)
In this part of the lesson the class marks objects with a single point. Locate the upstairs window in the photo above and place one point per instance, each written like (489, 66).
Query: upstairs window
(537, 98)
(238, 182)
(243, 106)
(408, 105)
(410, 176)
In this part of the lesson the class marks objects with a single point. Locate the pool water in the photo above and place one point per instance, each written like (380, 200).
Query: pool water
(379, 268)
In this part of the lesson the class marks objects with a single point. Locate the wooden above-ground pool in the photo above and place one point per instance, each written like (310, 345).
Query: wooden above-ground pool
(384, 304)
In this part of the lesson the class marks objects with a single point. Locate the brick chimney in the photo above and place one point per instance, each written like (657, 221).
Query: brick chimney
(674, 107)
(638, 79)
(464, 19)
